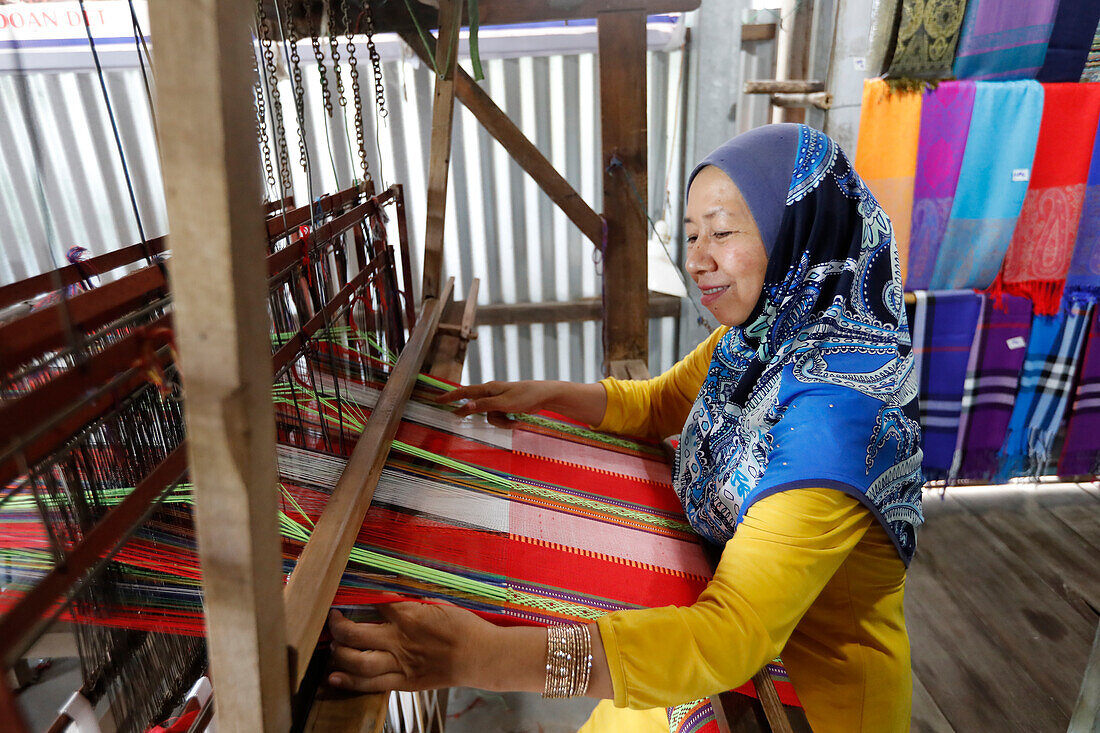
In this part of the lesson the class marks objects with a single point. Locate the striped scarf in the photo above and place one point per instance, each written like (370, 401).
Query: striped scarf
(992, 375)
(943, 331)
(1081, 450)
(1045, 388)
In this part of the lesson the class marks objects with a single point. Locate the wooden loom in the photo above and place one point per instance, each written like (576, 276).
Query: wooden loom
(221, 330)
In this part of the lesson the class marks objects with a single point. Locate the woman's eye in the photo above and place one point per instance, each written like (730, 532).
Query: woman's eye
(720, 235)
(692, 238)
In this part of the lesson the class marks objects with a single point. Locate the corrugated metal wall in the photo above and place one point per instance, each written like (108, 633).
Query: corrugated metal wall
(500, 227)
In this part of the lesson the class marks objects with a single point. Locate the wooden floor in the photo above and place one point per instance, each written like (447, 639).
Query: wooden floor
(1002, 606)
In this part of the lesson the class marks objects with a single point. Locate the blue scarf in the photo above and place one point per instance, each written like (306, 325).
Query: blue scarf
(818, 389)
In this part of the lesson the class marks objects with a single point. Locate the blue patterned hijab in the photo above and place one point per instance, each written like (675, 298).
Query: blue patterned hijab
(817, 388)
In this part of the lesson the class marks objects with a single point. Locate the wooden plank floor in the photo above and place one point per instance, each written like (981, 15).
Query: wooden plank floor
(1002, 605)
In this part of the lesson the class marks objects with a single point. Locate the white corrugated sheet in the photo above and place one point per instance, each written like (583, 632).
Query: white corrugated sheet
(63, 184)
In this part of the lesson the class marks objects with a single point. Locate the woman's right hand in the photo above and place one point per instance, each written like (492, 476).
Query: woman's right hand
(519, 397)
(585, 403)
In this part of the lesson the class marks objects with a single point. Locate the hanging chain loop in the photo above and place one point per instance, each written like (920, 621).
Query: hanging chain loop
(353, 66)
(282, 150)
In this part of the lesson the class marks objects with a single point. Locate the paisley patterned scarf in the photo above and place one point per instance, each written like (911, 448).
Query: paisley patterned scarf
(927, 38)
(818, 389)
(1038, 258)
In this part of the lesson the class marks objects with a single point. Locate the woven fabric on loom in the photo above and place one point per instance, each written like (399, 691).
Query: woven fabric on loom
(1045, 387)
(992, 184)
(1038, 258)
(1083, 278)
(1004, 39)
(1081, 449)
(886, 153)
(944, 122)
(943, 331)
(992, 378)
(524, 523)
(927, 37)
(1070, 40)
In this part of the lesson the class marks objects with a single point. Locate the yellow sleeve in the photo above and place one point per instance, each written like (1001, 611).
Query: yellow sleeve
(784, 552)
(658, 407)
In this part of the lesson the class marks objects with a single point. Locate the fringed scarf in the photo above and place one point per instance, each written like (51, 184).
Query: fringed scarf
(927, 36)
(992, 184)
(818, 389)
(1070, 40)
(944, 122)
(886, 154)
(1083, 278)
(1044, 392)
(1081, 449)
(1004, 39)
(992, 377)
(943, 332)
(1039, 256)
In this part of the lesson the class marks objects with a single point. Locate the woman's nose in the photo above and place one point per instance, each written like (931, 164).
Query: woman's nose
(698, 259)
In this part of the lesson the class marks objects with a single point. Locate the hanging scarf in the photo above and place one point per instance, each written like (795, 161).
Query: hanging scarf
(992, 377)
(1038, 258)
(1081, 449)
(1070, 40)
(1044, 392)
(886, 154)
(885, 15)
(1004, 39)
(1091, 71)
(944, 122)
(818, 389)
(1083, 278)
(926, 39)
(943, 331)
(992, 184)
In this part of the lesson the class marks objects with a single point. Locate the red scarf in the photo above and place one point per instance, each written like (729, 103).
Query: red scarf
(1042, 245)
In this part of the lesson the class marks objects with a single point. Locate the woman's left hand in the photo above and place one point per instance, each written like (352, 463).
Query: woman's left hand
(417, 647)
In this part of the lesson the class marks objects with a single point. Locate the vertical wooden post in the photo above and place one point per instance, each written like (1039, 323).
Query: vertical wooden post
(209, 158)
(622, 46)
(439, 158)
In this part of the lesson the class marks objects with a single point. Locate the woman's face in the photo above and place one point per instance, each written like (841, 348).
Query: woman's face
(725, 253)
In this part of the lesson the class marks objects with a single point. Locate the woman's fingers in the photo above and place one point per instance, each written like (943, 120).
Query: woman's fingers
(363, 663)
(382, 683)
(471, 391)
(358, 636)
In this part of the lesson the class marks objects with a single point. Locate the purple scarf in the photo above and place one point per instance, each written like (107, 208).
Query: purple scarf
(1004, 39)
(944, 123)
(992, 378)
(1081, 450)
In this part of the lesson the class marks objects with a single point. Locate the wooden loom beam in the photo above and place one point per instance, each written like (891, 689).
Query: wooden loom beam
(522, 150)
(439, 158)
(622, 59)
(72, 274)
(204, 103)
(312, 585)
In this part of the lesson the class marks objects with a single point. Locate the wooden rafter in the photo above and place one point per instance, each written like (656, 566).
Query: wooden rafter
(439, 158)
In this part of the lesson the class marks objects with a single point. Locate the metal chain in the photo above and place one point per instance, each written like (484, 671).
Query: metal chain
(326, 95)
(360, 139)
(297, 85)
(282, 150)
(334, 51)
(261, 124)
(376, 63)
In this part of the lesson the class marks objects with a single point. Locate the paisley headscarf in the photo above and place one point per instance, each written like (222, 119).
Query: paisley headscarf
(817, 388)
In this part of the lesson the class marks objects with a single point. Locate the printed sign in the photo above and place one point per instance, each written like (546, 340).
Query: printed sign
(1021, 174)
(1016, 342)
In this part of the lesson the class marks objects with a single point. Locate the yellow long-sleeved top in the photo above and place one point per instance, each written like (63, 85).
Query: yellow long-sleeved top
(810, 574)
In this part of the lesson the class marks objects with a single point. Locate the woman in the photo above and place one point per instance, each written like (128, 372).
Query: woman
(799, 453)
